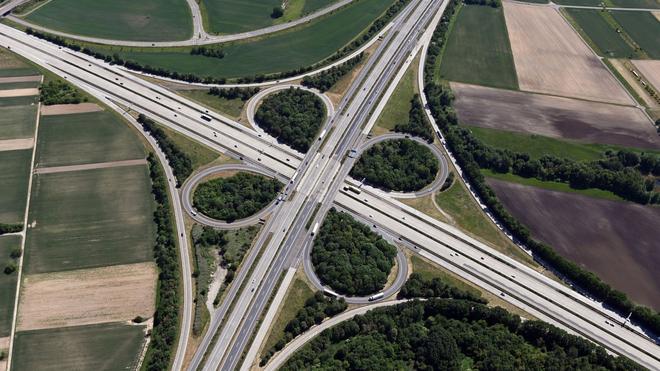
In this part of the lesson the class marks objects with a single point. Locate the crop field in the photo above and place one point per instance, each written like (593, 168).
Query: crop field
(650, 4)
(589, 232)
(478, 49)
(235, 16)
(88, 219)
(7, 285)
(608, 42)
(284, 51)
(17, 121)
(144, 20)
(87, 296)
(555, 117)
(15, 170)
(113, 346)
(551, 58)
(19, 101)
(85, 138)
(643, 27)
(650, 70)
(18, 85)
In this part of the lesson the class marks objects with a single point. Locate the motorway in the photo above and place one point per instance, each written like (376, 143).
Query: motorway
(514, 282)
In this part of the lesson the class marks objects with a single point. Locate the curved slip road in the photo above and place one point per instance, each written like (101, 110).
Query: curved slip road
(200, 37)
(192, 182)
(282, 356)
(443, 170)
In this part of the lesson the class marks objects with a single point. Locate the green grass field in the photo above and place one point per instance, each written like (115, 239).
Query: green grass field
(228, 107)
(15, 170)
(112, 346)
(651, 4)
(7, 284)
(607, 41)
(91, 218)
(430, 271)
(234, 16)
(398, 106)
(552, 186)
(579, 2)
(19, 101)
(20, 71)
(643, 27)
(85, 138)
(17, 121)
(144, 20)
(478, 49)
(199, 154)
(19, 85)
(284, 51)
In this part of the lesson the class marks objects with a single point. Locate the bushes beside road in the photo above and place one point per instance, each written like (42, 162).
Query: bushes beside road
(418, 124)
(325, 80)
(10, 228)
(400, 165)
(349, 257)
(180, 162)
(234, 93)
(59, 92)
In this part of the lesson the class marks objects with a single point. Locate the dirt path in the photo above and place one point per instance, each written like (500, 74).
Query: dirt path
(16, 144)
(66, 109)
(100, 165)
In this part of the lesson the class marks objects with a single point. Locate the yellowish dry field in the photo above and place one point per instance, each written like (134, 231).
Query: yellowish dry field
(551, 58)
(651, 70)
(87, 296)
(18, 92)
(65, 109)
(16, 144)
(7, 80)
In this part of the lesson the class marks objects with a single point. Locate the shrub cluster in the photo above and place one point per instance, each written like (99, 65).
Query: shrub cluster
(166, 319)
(316, 309)
(449, 334)
(349, 257)
(491, 3)
(293, 116)
(418, 124)
(399, 164)
(179, 161)
(234, 93)
(440, 99)
(10, 228)
(419, 287)
(235, 197)
(208, 52)
(59, 92)
(325, 80)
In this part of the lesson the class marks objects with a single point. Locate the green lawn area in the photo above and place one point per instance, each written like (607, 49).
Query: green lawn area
(85, 138)
(552, 186)
(607, 41)
(398, 106)
(234, 16)
(429, 271)
(296, 296)
(643, 27)
(537, 146)
(15, 170)
(91, 218)
(17, 121)
(199, 154)
(142, 20)
(113, 346)
(478, 49)
(7, 284)
(284, 51)
(227, 107)
(457, 202)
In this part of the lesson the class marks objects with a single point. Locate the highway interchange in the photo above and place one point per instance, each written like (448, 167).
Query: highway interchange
(319, 178)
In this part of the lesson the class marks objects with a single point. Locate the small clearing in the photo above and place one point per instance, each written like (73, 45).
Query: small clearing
(87, 296)
(551, 58)
(18, 92)
(16, 144)
(66, 109)
(553, 116)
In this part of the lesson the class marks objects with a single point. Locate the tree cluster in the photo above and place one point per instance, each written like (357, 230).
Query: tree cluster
(316, 309)
(418, 124)
(325, 80)
(277, 12)
(10, 228)
(440, 100)
(208, 52)
(490, 3)
(349, 257)
(448, 182)
(59, 92)
(419, 287)
(235, 197)
(234, 93)
(166, 319)
(448, 334)
(400, 165)
(293, 116)
(179, 161)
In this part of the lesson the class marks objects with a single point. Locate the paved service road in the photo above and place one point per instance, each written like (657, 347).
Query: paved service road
(191, 183)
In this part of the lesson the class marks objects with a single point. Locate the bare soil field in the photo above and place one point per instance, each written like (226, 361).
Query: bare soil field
(18, 92)
(623, 66)
(596, 234)
(66, 109)
(551, 58)
(102, 165)
(7, 80)
(87, 296)
(552, 116)
(16, 144)
(650, 69)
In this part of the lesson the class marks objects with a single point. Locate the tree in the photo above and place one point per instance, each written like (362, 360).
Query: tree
(277, 12)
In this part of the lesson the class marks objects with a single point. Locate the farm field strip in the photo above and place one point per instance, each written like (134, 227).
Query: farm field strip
(555, 117)
(7, 286)
(69, 109)
(101, 165)
(643, 27)
(17, 122)
(650, 70)
(9, 93)
(15, 170)
(608, 42)
(551, 58)
(7, 80)
(16, 144)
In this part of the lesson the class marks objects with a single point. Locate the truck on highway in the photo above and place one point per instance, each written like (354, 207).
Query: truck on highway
(293, 178)
(322, 134)
(206, 118)
(315, 229)
(376, 297)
